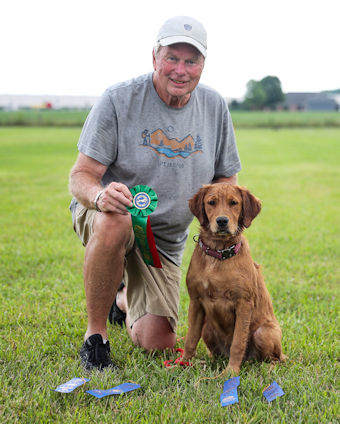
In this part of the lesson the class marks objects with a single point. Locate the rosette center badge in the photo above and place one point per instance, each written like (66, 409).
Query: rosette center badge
(141, 201)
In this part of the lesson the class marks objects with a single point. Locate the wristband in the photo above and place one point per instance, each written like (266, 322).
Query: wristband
(96, 200)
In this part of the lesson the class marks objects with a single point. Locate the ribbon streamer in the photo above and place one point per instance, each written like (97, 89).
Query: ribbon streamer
(144, 203)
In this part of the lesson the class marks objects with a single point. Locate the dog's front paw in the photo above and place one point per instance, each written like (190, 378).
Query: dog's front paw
(231, 370)
(283, 357)
(189, 353)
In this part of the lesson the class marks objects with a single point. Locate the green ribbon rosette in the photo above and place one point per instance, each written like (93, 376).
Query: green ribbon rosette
(144, 203)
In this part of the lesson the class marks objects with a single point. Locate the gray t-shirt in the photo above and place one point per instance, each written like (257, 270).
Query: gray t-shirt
(174, 151)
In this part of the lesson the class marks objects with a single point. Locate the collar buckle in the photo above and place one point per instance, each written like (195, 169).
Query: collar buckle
(228, 252)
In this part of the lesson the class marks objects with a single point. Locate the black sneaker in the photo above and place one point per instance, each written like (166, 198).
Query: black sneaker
(95, 354)
(116, 315)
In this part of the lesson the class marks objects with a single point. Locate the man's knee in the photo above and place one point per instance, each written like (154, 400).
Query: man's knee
(153, 332)
(112, 230)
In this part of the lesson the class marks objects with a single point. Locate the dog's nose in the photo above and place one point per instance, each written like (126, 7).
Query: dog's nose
(222, 221)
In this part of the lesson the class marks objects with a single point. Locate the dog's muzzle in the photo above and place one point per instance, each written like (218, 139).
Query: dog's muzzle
(222, 224)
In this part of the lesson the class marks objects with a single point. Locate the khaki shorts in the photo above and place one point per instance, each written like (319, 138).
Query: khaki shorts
(149, 289)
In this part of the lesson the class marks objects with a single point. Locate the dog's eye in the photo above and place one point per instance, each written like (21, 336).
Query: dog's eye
(233, 203)
(212, 202)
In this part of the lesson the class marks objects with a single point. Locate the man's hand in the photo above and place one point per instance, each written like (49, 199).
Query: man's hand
(115, 198)
(85, 184)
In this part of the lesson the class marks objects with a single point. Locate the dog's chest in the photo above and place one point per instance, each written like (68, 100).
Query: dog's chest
(211, 280)
(211, 290)
(208, 288)
(218, 302)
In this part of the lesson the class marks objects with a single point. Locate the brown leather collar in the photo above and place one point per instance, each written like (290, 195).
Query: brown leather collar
(223, 254)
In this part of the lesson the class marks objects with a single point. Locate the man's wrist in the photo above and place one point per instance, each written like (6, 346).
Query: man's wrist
(95, 202)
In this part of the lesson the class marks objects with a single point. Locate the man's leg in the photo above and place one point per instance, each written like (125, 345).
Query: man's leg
(103, 267)
(150, 300)
(103, 272)
(151, 332)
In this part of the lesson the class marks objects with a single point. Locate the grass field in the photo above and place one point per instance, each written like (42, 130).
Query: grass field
(241, 119)
(43, 117)
(294, 172)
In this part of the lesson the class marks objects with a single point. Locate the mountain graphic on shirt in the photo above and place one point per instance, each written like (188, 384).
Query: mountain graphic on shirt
(171, 147)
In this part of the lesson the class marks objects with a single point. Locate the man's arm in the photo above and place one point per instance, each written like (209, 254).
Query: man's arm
(229, 180)
(85, 184)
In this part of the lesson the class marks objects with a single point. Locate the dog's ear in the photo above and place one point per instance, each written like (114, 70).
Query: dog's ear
(196, 205)
(251, 207)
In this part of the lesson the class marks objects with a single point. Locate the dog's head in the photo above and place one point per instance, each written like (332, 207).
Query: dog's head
(224, 208)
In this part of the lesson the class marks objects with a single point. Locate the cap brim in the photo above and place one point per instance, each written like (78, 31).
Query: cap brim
(168, 41)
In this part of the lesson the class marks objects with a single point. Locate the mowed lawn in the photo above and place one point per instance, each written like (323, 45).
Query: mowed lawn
(295, 173)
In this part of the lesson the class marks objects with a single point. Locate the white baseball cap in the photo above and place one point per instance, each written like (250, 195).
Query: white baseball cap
(183, 29)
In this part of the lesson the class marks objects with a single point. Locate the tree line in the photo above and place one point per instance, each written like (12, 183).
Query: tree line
(264, 94)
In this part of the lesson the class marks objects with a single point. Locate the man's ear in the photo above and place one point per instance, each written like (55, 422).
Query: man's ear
(251, 207)
(153, 60)
(196, 205)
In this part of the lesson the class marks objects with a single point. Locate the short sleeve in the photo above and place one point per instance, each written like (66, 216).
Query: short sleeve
(227, 158)
(98, 138)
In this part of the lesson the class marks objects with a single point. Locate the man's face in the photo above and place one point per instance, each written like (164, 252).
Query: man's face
(178, 69)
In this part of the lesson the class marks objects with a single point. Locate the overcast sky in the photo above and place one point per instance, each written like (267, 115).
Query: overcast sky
(80, 47)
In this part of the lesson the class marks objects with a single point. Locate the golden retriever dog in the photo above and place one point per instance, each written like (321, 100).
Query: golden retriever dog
(230, 307)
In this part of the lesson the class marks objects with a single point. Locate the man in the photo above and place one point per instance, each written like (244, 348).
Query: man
(165, 131)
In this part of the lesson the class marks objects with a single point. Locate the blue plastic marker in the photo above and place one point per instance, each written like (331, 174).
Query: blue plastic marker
(69, 386)
(229, 395)
(118, 390)
(273, 391)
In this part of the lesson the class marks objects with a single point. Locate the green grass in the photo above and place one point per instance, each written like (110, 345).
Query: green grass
(285, 119)
(42, 306)
(241, 119)
(43, 117)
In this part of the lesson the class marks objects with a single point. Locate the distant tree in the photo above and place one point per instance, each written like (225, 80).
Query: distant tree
(266, 93)
(255, 95)
(274, 94)
(235, 105)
